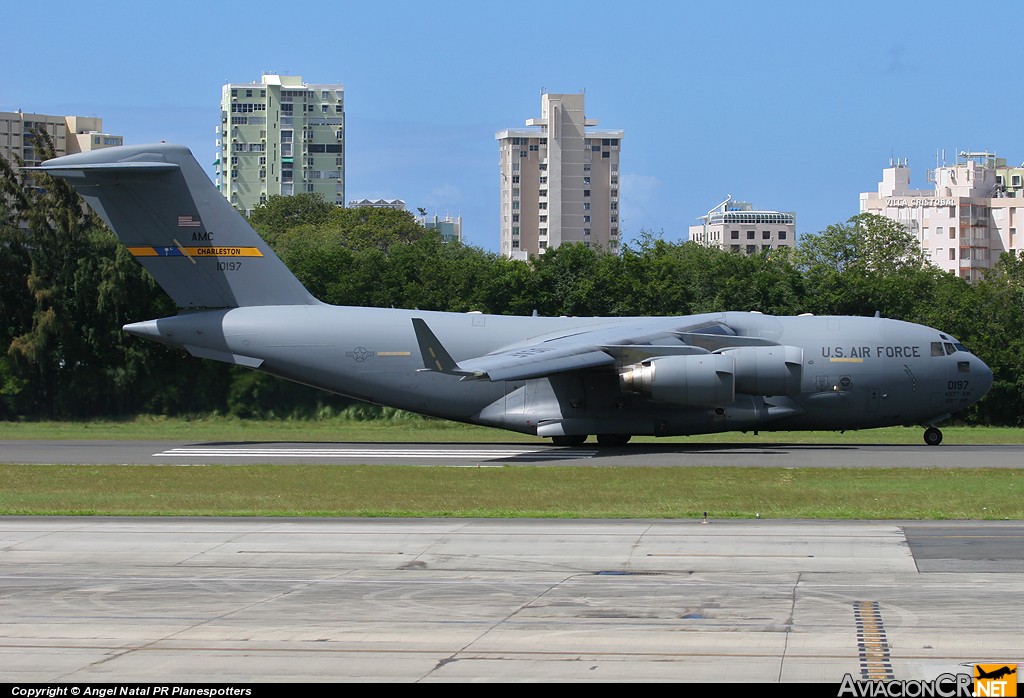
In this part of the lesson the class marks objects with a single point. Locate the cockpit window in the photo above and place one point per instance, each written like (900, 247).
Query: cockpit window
(947, 348)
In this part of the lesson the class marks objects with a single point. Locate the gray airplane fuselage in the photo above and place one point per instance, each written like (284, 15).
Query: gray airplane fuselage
(564, 378)
(857, 372)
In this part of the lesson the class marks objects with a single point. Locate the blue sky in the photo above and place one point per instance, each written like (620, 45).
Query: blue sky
(793, 106)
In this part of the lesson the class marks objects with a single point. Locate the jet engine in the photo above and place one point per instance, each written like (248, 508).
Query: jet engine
(771, 370)
(712, 380)
(701, 380)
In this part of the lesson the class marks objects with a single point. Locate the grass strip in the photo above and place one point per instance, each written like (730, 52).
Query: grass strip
(411, 428)
(520, 491)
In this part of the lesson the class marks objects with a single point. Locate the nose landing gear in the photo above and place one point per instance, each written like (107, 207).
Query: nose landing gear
(933, 436)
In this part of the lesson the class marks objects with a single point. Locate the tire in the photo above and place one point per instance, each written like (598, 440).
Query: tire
(574, 440)
(932, 436)
(613, 439)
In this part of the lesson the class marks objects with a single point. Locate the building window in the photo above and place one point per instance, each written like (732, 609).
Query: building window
(735, 234)
(586, 192)
(750, 234)
(782, 234)
(766, 235)
(605, 155)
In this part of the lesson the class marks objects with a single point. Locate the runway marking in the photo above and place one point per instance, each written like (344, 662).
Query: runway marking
(872, 643)
(518, 454)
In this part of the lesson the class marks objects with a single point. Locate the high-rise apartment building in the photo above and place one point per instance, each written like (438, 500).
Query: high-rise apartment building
(974, 212)
(559, 181)
(734, 226)
(70, 134)
(281, 136)
(450, 227)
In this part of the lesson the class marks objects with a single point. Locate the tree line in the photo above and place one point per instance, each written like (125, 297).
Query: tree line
(68, 286)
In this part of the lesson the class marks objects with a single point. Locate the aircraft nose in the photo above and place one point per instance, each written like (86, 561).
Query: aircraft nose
(982, 376)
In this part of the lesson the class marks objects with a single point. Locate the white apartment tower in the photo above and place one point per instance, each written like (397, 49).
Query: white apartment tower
(971, 216)
(559, 181)
(281, 136)
(734, 226)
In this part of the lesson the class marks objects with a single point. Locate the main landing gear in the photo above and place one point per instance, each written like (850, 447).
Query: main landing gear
(574, 440)
(602, 440)
(933, 436)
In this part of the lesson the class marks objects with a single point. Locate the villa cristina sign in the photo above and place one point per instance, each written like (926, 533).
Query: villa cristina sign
(915, 203)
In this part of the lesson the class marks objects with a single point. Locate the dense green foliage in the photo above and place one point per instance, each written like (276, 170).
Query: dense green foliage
(68, 287)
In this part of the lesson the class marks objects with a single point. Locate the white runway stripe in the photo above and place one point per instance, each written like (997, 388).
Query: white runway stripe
(461, 454)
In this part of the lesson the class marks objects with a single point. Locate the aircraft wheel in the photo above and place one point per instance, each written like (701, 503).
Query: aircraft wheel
(613, 439)
(574, 440)
(933, 436)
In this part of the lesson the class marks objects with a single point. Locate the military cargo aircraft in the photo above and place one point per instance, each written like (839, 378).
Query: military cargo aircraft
(564, 378)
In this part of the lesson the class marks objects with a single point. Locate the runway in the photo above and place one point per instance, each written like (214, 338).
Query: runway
(265, 600)
(272, 600)
(837, 455)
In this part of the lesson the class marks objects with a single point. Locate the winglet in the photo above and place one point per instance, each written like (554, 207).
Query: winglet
(435, 356)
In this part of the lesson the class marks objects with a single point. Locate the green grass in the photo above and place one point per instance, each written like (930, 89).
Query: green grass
(404, 427)
(520, 491)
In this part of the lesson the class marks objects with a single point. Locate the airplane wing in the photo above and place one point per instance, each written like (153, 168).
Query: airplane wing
(600, 346)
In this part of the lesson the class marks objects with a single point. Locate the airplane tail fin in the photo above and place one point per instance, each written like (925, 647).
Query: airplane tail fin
(163, 207)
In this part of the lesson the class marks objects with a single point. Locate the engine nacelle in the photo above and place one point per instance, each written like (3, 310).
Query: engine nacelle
(773, 370)
(701, 380)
